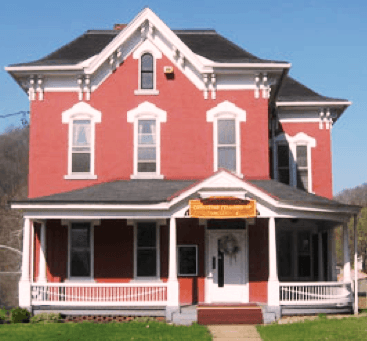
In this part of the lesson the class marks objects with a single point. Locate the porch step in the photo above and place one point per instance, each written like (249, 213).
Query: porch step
(229, 314)
(186, 316)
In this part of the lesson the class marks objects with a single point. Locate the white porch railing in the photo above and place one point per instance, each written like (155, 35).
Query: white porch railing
(102, 294)
(314, 293)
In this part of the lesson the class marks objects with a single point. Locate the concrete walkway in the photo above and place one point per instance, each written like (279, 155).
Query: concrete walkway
(234, 332)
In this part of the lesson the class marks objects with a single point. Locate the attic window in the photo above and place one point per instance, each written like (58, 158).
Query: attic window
(147, 72)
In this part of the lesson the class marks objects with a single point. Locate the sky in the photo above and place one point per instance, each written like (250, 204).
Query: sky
(324, 40)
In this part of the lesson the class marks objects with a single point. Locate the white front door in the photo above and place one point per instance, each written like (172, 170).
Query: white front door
(227, 266)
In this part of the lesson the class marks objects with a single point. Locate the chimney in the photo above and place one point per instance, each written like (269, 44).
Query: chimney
(119, 27)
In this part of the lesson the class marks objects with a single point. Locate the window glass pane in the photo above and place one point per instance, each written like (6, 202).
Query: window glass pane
(80, 237)
(146, 235)
(147, 62)
(283, 176)
(283, 156)
(146, 153)
(146, 262)
(227, 158)
(147, 80)
(80, 163)
(302, 179)
(226, 132)
(81, 133)
(187, 260)
(80, 264)
(146, 130)
(147, 167)
(301, 156)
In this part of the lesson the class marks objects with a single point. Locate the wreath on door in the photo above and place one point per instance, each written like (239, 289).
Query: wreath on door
(229, 246)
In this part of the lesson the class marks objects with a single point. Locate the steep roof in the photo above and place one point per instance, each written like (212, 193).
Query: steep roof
(293, 91)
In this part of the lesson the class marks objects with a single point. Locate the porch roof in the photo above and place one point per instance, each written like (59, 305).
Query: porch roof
(154, 191)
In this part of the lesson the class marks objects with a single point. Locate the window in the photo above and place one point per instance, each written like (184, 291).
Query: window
(292, 157)
(80, 250)
(226, 118)
(147, 149)
(146, 71)
(227, 144)
(147, 119)
(146, 255)
(81, 119)
(147, 54)
(187, 257)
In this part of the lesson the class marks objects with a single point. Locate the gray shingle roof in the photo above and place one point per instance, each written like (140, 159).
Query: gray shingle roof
(293, 91)
(158, 191)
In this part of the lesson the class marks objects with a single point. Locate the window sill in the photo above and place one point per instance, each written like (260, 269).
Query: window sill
(80, 177)
(147, 176)
(80, 280)
(148, 92)
(146, 280)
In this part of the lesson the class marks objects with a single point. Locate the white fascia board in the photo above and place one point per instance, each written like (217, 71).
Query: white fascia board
(312, 104)
(134, 25)
(27, 69)
(260, 66)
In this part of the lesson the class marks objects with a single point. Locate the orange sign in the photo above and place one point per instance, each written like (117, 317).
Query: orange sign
(222, 207)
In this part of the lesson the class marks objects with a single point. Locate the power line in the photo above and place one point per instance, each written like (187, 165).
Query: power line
(22, 112)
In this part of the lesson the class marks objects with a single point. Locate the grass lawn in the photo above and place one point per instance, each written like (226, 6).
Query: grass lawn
(350, 328)
(110, 331)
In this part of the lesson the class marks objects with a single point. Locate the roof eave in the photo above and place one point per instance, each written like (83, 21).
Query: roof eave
(313, 103)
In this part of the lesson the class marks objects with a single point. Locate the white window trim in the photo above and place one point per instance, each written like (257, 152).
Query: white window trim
(147, 47)
(158, 259)
(92, 223)
(300, 139)
(81, 111)
(178, 260)
(227, 110)
(147, 111)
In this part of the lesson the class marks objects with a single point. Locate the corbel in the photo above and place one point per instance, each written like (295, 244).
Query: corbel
(206, 85)
(257, 86)
(144, 30)
(322, 115)
(328, 119)
(213, 80)
(266, 86)
(32, 88)
(151, 30)
(87, 87)
(80, 83)
(40, 89)
(179, 57)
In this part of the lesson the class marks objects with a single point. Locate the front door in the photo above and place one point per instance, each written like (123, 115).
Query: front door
(227, 265)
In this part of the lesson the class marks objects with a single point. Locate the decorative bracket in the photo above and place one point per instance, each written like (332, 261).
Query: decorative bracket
(35, 85)
(84, 87)
(206, 85)
(262, 83)
(213, 85)
(327, 118)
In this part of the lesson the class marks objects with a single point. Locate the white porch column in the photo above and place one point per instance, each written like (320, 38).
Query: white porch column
(273, 282)
(173, 300)
(42, 261)
(321, 257)
(347, 278)
(24, 283)
(355, 266)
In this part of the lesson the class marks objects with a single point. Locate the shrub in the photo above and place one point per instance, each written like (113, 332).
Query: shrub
(19, 315)
(3, 315)
(46, 318)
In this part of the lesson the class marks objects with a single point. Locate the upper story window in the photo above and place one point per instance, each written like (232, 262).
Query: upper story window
(146, 72)
(292, 157)
(147, 119)
(81, 119)
(226, 118)
(147, 54)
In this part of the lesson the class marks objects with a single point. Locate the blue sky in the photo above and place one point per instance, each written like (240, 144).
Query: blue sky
(325, 40)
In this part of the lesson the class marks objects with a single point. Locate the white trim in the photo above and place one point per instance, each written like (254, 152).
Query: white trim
(298, 140)
(91, 227)
(81, 111)
(227, 110)
(147, 47)
(196, 258)
(157, 277)
(147, 111)
(311, 104)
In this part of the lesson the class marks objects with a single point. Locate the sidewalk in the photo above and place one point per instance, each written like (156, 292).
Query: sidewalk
(234, 332)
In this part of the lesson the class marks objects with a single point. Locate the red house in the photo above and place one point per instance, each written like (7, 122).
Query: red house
(174, 168)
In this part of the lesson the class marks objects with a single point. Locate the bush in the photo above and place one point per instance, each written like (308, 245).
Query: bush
(3, 315)
(46, 318)
(19, 315)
